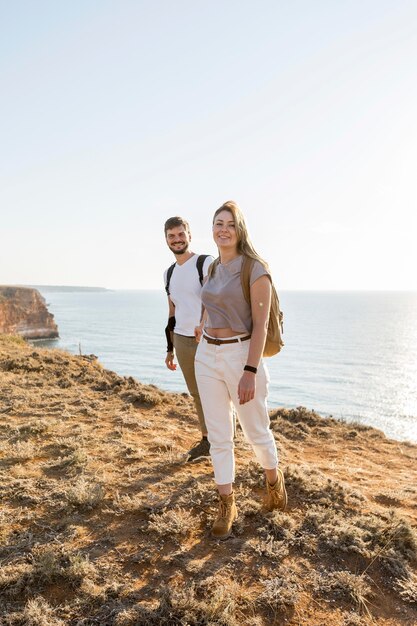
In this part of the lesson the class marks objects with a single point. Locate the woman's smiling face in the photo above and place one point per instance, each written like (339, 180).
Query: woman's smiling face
(224, 230)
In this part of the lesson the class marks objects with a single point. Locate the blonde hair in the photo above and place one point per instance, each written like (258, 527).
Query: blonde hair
(244, 244)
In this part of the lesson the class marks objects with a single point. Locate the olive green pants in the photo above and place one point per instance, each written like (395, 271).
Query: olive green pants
(185, 349)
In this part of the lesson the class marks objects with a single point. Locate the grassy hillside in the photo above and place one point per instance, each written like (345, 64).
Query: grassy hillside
(103, 523)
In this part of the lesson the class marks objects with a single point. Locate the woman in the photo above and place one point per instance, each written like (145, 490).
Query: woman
(229, 367)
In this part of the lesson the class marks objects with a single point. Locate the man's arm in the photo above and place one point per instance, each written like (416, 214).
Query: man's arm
(198, 330)
(169, 332)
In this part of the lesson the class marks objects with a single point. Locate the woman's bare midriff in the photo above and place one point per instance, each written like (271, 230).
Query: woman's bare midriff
(223, 333)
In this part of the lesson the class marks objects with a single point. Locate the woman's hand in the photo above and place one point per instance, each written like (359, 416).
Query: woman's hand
(246, 387)
(198, 331)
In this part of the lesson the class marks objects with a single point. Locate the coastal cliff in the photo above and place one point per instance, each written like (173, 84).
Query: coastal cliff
(102, 521)
(23, 312)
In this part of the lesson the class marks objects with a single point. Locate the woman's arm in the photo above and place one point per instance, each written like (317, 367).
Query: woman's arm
(260, 295)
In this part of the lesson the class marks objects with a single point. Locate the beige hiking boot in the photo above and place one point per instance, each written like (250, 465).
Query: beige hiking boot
(276, 495)
(222, 526)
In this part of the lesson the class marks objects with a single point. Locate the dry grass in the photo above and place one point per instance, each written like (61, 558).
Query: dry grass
(103, 523)
(38, 612)
(408, 588)
(171, 522)
(85, 493)
(21, 451)
(281, 592)
(348, 586)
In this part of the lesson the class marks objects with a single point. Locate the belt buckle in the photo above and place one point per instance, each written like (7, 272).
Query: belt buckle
(213, 340)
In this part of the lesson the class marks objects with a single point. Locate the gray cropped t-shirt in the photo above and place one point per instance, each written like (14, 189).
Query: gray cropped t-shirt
(223, 298)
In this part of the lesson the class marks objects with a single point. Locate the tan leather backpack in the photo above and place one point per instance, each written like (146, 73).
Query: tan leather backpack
(273, 343)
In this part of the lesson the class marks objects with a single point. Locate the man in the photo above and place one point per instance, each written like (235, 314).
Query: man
(183, 281)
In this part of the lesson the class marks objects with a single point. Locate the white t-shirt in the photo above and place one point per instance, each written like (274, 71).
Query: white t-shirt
(185, 293)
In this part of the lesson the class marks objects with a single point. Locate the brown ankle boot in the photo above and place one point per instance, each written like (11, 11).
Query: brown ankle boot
(222, 526)
(276, 495)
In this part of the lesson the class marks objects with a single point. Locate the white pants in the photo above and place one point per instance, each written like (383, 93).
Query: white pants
(218, 371)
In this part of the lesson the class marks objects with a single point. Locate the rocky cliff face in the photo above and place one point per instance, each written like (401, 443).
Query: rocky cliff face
(23, 312)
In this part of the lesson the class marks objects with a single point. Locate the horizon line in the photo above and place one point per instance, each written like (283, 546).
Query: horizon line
(303, 289)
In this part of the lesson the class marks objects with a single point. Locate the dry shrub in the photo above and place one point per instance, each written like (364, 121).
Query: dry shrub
(5, 527)
(198, 493)
(398, 534)
(248, 506)
(251, 475)
(79, 568)
(311, 486)
(281, 526)
(268, 547)
(22, 451)
(337, 531)
(143, 395)
(385, 536)
(215, 602)
(407, 588)
(352, 619)
(126, 617)
(300, 415)
(128, 504)
(132, 452)
(384, 539)
(129, 421)
(299, 423)
(67, 444)
(33, 429)
(51, 563)
(74, 461)
(173, 522)
(47, 563)
(282, 591)
(393, 565)
(10, 340)
(224, 599)
(38, 612)
(397, 547)
(347, 586)
(22, 363)
(13, 577)
(85, 493)
(168, 452)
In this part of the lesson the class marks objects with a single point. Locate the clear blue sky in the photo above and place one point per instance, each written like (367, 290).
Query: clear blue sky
(115, 115)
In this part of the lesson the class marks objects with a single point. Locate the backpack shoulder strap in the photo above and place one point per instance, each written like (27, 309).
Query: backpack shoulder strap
(169, 274)
(245, 273)
(200, 263)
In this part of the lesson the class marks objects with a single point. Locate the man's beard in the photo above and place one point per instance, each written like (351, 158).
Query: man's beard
(179, 251)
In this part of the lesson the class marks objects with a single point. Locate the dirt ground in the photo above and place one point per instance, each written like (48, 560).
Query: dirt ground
(103, 522)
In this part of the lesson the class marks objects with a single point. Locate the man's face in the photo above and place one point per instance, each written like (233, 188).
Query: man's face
(178, 239)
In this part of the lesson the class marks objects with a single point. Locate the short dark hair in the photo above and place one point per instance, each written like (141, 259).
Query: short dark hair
(173, 222)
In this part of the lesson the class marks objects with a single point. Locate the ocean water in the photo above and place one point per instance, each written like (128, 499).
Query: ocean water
(352, 355)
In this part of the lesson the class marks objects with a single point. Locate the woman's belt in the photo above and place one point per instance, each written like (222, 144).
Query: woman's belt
(220, 342)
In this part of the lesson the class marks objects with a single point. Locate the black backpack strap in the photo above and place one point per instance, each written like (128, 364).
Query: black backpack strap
(169, 274)
(200, 263)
